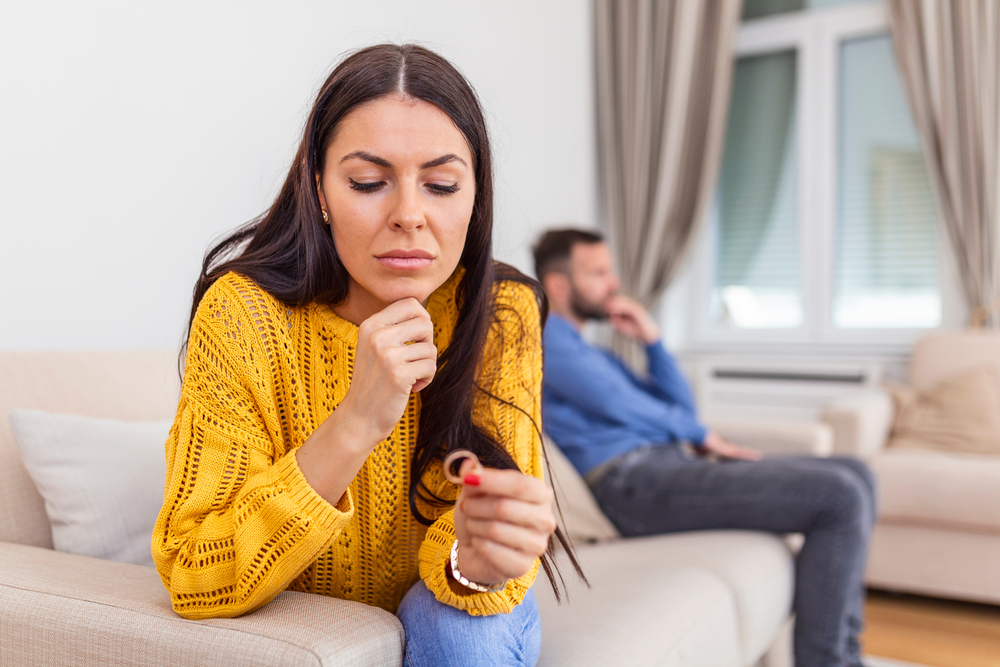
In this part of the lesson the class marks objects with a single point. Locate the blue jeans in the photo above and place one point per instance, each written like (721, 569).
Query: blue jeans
(441, 636)
(659, 489)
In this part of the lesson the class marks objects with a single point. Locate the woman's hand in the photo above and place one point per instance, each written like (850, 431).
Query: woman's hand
(395, 355)
(503, 520)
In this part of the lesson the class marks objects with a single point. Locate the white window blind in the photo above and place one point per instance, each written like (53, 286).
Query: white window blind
(757, 256)
(887, 273)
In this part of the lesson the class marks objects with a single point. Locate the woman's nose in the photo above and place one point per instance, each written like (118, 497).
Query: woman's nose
(407, 215)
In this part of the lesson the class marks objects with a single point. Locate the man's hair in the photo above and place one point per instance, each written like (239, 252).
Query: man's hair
(553, 250)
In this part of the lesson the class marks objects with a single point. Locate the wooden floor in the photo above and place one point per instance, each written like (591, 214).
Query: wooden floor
(940, 633)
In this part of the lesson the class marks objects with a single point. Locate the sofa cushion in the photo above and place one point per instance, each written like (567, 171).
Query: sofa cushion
(578, 513)
(61, 610)
(134, 385)
(711, 597)
(939, 488)
(961, 414)
(946, 354)
(102, 480)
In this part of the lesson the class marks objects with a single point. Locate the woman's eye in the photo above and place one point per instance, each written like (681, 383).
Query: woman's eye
(438, 189)
(366, 187)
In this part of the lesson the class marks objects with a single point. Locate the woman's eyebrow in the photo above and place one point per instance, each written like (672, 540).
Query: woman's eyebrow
(368, 157)
(362, 155)
(444, 159)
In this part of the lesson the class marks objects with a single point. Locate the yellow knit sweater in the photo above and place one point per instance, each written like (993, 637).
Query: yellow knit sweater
(240, 524)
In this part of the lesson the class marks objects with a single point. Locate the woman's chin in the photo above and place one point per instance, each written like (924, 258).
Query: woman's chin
(389, 289)
(405, 289)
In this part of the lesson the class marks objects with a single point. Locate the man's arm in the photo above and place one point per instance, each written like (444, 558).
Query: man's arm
(667, 378)
(711, 443)
(594, 384)
(631, 319)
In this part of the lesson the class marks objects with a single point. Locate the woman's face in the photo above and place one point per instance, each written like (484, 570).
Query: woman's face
(399, 188)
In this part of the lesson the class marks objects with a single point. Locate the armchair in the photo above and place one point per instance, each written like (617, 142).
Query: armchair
(938, 531)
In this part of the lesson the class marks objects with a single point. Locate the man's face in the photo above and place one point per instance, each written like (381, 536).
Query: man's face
(592, 280)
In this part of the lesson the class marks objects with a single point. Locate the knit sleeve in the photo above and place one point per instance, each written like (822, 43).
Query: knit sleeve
(239, 521)
(512, 371)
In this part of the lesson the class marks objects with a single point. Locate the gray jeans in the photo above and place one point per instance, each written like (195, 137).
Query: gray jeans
(661, 489)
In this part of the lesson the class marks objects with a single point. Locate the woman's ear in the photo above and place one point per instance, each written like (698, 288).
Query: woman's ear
(322, 199)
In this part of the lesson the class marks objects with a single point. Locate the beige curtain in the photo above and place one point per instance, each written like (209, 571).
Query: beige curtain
(663, 76)
(949, 55)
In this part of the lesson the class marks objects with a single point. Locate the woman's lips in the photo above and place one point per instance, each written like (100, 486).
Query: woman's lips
(406, 260)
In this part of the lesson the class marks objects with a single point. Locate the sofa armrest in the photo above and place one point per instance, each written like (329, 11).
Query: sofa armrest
(61, 609)
(804, 438)
(861, 423)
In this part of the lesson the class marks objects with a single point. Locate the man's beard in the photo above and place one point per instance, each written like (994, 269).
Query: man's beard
(586, 310)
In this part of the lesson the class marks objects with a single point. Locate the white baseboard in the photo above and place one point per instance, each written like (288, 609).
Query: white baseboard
(886, 662)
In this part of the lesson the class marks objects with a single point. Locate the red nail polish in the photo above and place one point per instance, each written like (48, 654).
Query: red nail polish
(471, 479)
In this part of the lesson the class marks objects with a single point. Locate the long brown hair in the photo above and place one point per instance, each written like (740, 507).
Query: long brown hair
(289, 252)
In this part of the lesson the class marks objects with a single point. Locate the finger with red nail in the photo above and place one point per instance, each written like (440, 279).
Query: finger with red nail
(503, 520)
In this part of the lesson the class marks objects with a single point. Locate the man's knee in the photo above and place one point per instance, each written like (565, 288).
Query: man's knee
(861, 469)
(848, 498)
(867, 478)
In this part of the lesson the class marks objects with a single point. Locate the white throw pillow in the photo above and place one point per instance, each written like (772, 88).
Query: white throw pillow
(102, 480)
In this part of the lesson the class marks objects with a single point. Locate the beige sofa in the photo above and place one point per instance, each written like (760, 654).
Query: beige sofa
(938, 531)
(712, 598)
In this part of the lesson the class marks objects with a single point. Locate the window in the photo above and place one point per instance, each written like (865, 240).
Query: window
(886, 271)
(824, 228)
(757, 270)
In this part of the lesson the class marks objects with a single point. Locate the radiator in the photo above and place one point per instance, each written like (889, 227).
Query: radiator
(766, 389)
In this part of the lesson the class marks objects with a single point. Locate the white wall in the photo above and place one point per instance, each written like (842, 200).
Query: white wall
(131, 134)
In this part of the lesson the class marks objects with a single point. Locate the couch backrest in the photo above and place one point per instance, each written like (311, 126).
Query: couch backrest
(941, 356)
(578, 513)
(143, 385)
(130, 385)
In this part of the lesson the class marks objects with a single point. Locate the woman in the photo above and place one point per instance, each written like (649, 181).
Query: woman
(340, 346)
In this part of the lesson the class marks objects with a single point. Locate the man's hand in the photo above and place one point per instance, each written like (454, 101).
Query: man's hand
(630, 319)
(716, 445)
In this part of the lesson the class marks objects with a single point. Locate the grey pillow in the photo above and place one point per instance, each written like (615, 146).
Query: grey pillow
(102, 480)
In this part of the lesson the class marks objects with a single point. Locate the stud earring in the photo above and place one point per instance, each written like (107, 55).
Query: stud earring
(326, 218)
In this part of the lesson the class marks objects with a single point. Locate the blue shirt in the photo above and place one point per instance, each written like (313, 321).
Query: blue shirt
(595, 408)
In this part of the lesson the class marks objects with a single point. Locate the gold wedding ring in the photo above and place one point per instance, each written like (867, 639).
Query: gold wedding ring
(455, 457)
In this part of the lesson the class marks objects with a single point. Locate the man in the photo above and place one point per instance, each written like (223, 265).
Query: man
(625, 434)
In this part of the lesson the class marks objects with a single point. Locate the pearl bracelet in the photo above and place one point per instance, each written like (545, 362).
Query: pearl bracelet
(471, 585)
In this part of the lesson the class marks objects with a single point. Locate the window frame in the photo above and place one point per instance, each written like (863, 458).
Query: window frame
(815, 35)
